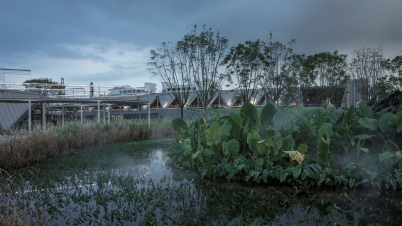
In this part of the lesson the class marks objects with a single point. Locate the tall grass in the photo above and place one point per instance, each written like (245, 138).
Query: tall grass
(22, 149)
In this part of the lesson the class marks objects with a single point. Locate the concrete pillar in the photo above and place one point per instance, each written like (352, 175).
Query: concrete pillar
(29, 115)
(98, 111)
(82, 114)
(43, 116)
(62, 115)
(149, 114)
(108, 114)
(104, 114)
(120, 113)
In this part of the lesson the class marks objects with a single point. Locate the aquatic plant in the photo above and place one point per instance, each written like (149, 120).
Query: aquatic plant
(21, 149)
(293, 150)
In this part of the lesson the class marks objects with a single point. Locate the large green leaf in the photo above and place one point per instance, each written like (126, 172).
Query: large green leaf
(283, 177)
(226, 129)
(365, 110)
(350, 114)
(250, 112)
(323, 151)
(383, 122)
(214, 136)
(396, 122)
(302, 148)
(326, 129)
(297, 171)
(264, 146)
(280, 119)
(288, 143)
(369, 123)
(178, 124)
(187, 147)
(335, 116)
(259, 162)
(267, 114)
(233, 146)
(252, 139)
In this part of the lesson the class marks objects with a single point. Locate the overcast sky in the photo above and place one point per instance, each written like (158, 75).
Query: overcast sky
(108, 42)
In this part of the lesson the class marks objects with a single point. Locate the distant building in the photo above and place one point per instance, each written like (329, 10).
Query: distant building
(167, 87)
(128, 90)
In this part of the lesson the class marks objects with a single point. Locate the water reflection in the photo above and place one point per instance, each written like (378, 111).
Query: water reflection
(148, 189)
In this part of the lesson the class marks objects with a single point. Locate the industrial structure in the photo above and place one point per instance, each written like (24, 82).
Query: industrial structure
(26, 103)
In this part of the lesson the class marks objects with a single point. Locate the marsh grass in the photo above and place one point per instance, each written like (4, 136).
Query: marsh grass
(21, 149)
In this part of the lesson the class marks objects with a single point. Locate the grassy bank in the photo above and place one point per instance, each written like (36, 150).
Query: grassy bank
(22, 149)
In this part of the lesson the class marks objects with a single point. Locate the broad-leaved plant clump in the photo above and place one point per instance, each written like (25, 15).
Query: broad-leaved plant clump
(322, 148)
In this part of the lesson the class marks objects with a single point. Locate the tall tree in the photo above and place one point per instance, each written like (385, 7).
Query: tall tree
(171, 64)
(277, 59)
(245, 63)
(207, 52)
(296, 81)
(394, 68)
(330, 77)
(368, 72)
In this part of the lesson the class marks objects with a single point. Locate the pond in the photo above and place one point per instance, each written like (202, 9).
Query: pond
(132, 184)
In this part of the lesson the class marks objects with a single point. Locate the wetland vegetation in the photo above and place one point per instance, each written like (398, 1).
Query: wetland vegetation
(134, 183)
(321, 168)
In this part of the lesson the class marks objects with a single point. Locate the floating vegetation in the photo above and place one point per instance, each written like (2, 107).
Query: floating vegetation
(133, 184)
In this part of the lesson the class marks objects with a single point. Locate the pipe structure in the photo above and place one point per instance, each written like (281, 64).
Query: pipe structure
(29, 116)
(98, 111)
(108, 109)
(104, 114)
(43, 116)
(149, 114)
(62, 115)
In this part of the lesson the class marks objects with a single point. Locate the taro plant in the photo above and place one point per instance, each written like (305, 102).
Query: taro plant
(273, 148)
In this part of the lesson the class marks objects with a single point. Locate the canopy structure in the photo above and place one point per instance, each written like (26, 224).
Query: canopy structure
(77, 102)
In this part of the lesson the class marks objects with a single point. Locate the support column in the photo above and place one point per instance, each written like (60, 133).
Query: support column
(82, 113)
(98, 111)
(43, 116)
(29, 115)
(108, 114)
(149, 114)
(62, 115)
(104, 114)
(120, 113)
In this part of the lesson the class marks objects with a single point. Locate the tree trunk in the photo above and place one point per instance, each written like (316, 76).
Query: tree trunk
(181, 110)
(297, 108)
(205, 113)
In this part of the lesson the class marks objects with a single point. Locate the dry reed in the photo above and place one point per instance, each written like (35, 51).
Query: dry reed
(22, 149)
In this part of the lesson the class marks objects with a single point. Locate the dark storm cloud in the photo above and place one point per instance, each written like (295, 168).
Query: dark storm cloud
(96, 40)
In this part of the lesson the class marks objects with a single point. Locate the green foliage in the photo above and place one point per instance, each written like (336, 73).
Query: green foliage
(281, 120)
(267, 114)
(178, 124)
(214, 136)
(248, 147)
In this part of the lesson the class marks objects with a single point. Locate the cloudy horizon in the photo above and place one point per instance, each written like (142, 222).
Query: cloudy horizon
(109, 42)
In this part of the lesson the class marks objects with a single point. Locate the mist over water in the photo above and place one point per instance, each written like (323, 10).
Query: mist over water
(147, 188)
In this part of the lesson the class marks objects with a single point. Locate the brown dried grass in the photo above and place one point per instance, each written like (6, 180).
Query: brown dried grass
(22, 149)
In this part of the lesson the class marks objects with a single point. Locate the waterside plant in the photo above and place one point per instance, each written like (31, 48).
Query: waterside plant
(336, 148)
(23, 149)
